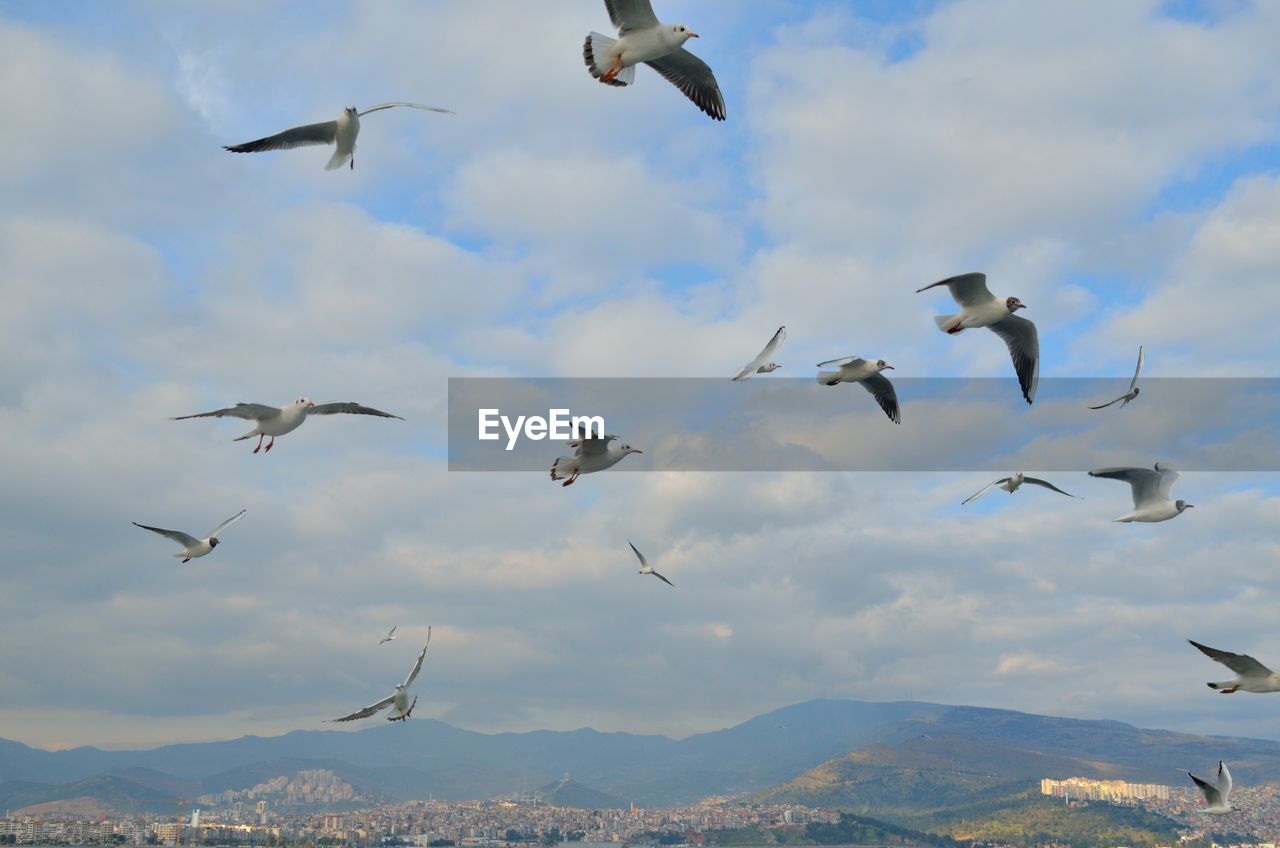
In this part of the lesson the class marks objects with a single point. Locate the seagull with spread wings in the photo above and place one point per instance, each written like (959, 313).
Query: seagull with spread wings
(763, 363)
(1251, 675)
(1133, 387)
(390, 637)
(278, 420)
(193, 548)
(643, 38)
(1151, 490)
(855, 369)
(645, 568)
(1217, 797)
(1012, 483)
(980, 308)
(591, 454)
(398, 700)
(341, 133)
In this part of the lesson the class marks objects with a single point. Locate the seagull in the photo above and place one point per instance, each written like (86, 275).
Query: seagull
(193, 548)
(398, 699)
(341, 133)
(1216, 796)
(761, 364)
(643, 38)
(980, 308)
(645, 568)
(593, 453)
(854, 369)
(1011, 483)
(1133, 387)
(1151, 490)
(390, 637)
(276, 421)
(1251, 675)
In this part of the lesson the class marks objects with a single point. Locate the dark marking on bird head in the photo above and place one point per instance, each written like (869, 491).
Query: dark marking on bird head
(1013, 304)
(1181, 505)
(213, 542)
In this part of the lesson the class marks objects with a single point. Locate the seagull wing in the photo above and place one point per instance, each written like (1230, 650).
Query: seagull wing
(323, 133)
(663, 579)
(1144, 481)
(983, 490)
(1210, 792)
(410, 105)
(841, 362)
(631, 14)
(1110, 402)
(335, 407)
(966, 289)
(417, 667)
(745, 372)
(643, 561)
(368, 711)
(1036, 481)
(1168, 476)
(692, 76)
(184, 539)
(1224, 780)
(1023, 342)
(593, 445)
(1137, 370)
(224, 525)
(1242, 664)
(882, 390)
(247, 411)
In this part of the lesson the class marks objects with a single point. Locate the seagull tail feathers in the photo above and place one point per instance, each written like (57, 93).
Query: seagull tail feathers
(562, 468)
(828, 378)
(596, 52)
(947, 323)
(337, 160)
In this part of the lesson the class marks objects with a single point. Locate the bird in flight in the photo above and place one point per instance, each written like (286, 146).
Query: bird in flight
(193, 548)
(1218, 797)
(643, 38)
(591, 454)
(1251, 675)
(1151, 490)
(762, 364)
(397, 700)
(390, 637)
(340, 133)
(855, 369)
(1011, 484)
(1133, 387)
(278, 420)
(645, 568)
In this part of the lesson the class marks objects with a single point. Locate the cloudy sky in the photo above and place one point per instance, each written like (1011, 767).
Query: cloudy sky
(1114, 165)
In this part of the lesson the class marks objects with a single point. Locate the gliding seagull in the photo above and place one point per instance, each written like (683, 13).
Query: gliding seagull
(398, 699)
(593, 454)
(276, 421)
(645, 568)
(1133, 387)
(193, 548)
(1251, 675)
(762, 364)
(1151, 491)
(855, 369)
(341, 133)
(391, 635)
(643, 38)
(980, 308)
(1011, 484)
(1216, 796)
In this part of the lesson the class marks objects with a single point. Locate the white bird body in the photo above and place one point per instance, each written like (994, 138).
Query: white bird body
(193, 548)
(277, 421)
(1151, 490)
(1012, 483)
(591, 455)
(1218, 797)
(390, 637)
(398, 700)
(1251, 675)
(344, 139)
(645, 568)
(762, 364)
(855, 369)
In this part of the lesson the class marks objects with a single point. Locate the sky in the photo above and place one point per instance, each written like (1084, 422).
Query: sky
(1114, 165)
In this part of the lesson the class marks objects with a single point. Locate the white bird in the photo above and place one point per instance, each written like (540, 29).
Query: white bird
(193, 548)
(341, 133)
(398, 700)
(1011, 484)
(1251, 675)
(276, 421)
(643, 38)
(645, 568)
(1218, 797)
(980, 308)
(391, 635)
(855, 369)
(1151, 490)
(762, 364)
(1133, 387)
(593, 454)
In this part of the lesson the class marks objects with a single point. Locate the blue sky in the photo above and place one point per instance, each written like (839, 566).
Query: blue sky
(1113, 165)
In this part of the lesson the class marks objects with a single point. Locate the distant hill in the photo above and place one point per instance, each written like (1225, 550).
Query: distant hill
(569, 793)
(100, 793)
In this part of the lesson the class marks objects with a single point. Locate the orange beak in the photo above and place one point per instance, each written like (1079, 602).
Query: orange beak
(694, 35)
(311, 403)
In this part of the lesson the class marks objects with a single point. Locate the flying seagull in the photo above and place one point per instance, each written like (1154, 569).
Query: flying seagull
(1216, 796)
(398, 700)
(1251, 675)
(762, 364)
(645, 568)
(193, 548)
(592, 454)
(276, 421)
(980, 308)
(341, 133)
(1011, 483)
(855, 369)
(1133, 387)
(1151, 491)
(643, 38)
(390, 637)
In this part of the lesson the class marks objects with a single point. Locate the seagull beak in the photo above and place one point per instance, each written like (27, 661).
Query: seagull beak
(311, 403)
(633, 450)
(694, 35)
(890, 368)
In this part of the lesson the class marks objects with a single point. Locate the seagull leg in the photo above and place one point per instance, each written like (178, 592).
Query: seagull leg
(569, 482)
(409, 711)
(614, 71)
(259, 447)
(1229, 691)
(270, 445)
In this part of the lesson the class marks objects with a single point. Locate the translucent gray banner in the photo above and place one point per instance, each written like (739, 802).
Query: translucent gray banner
(772, 424)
